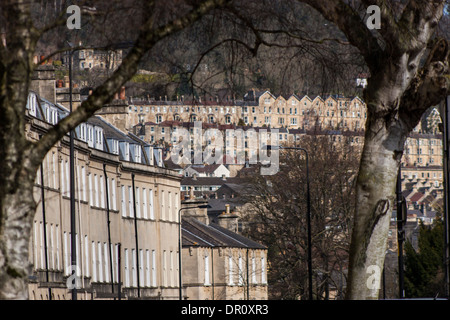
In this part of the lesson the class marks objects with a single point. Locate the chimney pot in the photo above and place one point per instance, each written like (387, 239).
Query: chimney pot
(122, 93)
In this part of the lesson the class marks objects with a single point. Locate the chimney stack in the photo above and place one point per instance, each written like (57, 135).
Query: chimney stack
(43, 82)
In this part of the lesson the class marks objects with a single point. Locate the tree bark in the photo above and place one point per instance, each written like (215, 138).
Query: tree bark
(396, 99)
(375, 191)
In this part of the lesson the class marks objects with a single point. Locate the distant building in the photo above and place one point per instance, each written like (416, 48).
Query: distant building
(116, 175)
(230, 266)
(212, 170)
(92, 58)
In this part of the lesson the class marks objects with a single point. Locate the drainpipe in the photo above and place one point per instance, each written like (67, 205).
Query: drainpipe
(212, 270)
(44, 221)
(136, 237)
(248, 282)
(401, 220)
(109, 229)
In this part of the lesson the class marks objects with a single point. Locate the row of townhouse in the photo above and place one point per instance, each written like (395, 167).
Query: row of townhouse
(127, 209)
(420, 149)
(423, 149)
(258, 109)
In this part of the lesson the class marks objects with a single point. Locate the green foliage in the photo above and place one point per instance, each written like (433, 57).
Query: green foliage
(423, 268)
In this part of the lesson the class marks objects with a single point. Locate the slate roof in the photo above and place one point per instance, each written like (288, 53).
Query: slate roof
(208, 181)
(218, 205)
(195, 233)
(205, 168)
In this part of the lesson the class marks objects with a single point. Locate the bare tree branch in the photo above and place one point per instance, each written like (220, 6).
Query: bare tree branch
(349, 22)
(148, 37)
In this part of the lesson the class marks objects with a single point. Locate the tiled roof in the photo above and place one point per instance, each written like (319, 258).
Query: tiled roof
(416, 197)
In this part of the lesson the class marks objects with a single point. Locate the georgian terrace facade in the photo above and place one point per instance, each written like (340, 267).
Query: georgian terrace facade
(258, 109)
(126, 210)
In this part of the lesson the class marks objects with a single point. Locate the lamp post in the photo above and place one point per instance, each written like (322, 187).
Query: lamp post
(401, 220)
(308, 217)
(179, 243)
(72, 183)
(446, 132)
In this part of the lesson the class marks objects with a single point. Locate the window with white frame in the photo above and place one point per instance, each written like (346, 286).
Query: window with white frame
(133, 268)
(115, 146)
(230, 270)
(137, 153)
(141, 267)
(263, 270)
(96, 191)
(116, 263)
(94, 263)
(154, 282)
(83, 183)
(102, 192)
(86, 256)
(58, 263)
(171, 273)
(130, 202)
(147, 268)
(67, 174)
(61, 174)
(91, 190)
(254, 281)
(32, 104)
(99, 138)
(105, 252)
(240, 271)
(151, 204)
(138, 202)
(176, 207)
(100, 261)
(163, 213)
(123, 202)
(127, 269)
(51, 248)
(144, 203)
(207, 280)
(113, 194)
(164, 262)
(169, 205)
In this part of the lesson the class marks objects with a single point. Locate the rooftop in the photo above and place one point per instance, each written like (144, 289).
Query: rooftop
(195, 233)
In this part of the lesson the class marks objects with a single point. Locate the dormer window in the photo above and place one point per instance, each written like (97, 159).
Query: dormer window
(90, 135)
(113, 146)
(98, 138)
(32, 104)
(82, 130)
(47, 114)
(125, 150)
(137, 153)
(54, 114)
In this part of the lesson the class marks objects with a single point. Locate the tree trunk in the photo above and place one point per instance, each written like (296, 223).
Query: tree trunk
(14, 243)
(17, 205)
(375, 192)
